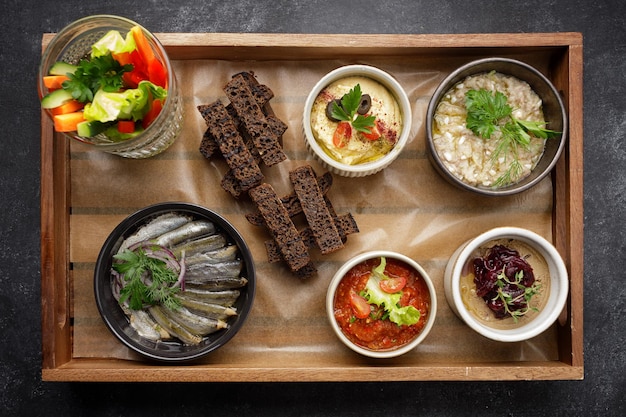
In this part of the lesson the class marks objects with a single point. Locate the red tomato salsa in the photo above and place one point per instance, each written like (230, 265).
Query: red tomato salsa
(375, 331)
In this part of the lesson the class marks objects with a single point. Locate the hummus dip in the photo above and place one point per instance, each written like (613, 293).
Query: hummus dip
(477, 306)
(358, 149)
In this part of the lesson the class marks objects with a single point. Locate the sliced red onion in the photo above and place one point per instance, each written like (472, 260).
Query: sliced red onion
(181, 274)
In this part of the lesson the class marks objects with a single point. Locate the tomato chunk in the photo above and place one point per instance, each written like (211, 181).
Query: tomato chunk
(393, 285)
(374, 133)
(360, 306)
(342, 134)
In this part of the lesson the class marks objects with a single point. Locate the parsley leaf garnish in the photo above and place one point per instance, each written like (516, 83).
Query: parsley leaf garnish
(103, 72)
(484, 111)
(489, 112)
(346, 112)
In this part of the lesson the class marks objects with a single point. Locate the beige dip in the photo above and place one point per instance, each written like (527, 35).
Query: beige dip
(476, 305)
(358, 150)
(467, 156)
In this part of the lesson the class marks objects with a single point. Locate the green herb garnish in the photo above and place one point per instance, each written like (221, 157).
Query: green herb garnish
(509, 301)
(489, 112)
(348, 111)
(102, 72)
(148, 280)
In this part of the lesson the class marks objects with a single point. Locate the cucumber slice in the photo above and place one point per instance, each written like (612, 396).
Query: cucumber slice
(88, 129)
(56, 98)
(62, 68)
(116, 136)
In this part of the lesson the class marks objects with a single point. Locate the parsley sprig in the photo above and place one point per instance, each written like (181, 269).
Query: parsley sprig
(103, 72)
(348, 111)
(148, 281)
(489, 112)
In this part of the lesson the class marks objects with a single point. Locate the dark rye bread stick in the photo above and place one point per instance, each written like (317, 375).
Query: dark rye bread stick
(274, 255)
(345, 223)
(229, 182)
(315, 210)
(208, 144)
(231, 144)
(255, 122)
(291, 202)
(262, 94)
(283, 231)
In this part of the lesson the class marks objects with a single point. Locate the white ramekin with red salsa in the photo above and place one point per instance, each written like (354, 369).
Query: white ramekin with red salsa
(381, 304)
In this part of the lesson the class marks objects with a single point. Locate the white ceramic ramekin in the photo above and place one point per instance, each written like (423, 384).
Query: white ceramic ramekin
(559, 284)
(369, 168)
(330, 297)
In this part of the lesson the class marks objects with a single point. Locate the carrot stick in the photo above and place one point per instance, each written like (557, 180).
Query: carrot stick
(53, 82)
(68, 122)
(69, 107)
(143, 46)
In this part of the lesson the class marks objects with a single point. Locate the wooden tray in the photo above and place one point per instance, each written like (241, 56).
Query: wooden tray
(559, 53)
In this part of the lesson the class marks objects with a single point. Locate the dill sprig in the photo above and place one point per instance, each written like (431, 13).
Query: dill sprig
(148, 281)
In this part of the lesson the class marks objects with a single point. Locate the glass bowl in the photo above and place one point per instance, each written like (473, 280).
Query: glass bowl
(73, 43)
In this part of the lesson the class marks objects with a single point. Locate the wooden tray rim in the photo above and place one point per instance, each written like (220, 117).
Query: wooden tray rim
(57, 361)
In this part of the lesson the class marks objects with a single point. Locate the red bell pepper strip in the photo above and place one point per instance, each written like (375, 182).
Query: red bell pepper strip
(126, 126)
(155, 109)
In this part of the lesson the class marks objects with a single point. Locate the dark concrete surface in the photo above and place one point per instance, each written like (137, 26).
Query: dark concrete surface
(601, 393)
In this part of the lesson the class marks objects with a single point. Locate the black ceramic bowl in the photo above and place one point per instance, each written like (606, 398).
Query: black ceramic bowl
(118, 322)
(553, 109)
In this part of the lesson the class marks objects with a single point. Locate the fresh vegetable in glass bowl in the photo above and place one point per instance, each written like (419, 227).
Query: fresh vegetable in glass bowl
(117, 90)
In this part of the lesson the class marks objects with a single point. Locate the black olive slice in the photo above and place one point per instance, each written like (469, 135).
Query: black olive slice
(366, 103)
(329, 109)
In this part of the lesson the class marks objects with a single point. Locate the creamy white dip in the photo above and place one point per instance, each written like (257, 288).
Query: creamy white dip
(358, 149)
(469, 157)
